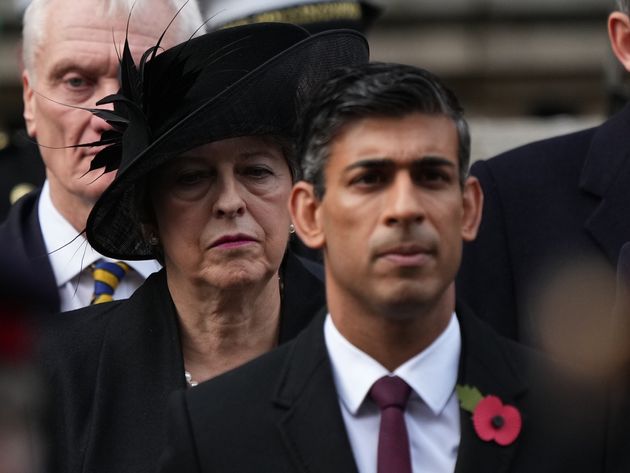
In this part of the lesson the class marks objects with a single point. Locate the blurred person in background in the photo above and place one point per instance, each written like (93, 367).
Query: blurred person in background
(620, 388)
(70, 60)
(21, 167)
(314, 15)
(205, 167)
(22, 398)
(554, 220)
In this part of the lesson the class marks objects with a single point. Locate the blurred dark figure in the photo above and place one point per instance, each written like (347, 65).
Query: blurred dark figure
(21, 168)
(551, 209)
(573, 320)
(617, 86)
(314, 15)
(21, 394)
(21, 399)
(620, 393)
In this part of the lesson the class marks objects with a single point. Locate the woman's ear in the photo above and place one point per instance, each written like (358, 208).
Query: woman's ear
(473, 204)
(619, 34)
(304, 208)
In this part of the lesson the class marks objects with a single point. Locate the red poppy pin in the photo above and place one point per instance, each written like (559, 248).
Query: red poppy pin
(492, 419)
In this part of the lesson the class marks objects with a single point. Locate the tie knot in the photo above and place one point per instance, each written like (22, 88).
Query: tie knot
(107, 276)
(390, 391)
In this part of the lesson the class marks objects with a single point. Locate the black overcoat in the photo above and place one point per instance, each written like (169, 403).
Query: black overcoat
(557, 202)
(110, 368)
(280, 413)
(24, 262)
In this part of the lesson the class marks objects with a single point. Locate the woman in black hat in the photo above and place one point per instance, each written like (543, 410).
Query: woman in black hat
(201, 139)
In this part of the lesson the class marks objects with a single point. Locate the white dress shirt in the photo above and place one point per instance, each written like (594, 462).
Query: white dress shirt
(432, 414)
(71, 255)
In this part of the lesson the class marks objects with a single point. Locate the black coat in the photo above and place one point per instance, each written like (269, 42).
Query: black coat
(280, 413)
(111, 367)
(548, 204)
(24, 263)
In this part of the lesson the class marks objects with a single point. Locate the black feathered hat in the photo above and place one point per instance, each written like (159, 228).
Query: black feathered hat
(247, 80)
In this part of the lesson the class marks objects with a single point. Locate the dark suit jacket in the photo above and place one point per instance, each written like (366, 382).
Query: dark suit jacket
(555, 202)
(24, 262)
(111, 367)
(280, 413)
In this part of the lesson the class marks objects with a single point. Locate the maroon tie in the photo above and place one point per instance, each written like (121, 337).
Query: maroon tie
(390, 393)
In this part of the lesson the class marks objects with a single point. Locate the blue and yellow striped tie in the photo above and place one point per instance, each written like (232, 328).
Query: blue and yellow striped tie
(107, 276)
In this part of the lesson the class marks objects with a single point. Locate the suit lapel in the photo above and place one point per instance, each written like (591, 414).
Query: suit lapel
(22, 234)
(606, 173)
(311, 424)
(486, 366)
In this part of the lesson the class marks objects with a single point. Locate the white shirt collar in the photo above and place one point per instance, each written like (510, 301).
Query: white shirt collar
(68, 251)
(431, 374)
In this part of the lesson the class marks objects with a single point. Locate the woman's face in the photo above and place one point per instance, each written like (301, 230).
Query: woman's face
(221, 212)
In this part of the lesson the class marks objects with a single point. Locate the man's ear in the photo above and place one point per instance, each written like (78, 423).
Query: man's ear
(473, 204)
(304, 207)
(28, 96)
(619, 34)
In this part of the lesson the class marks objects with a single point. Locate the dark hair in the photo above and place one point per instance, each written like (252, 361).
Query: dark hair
(373, 90)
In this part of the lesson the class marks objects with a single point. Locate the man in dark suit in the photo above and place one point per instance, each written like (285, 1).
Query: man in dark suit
(70, 62)
(553, 208)
(392, 377)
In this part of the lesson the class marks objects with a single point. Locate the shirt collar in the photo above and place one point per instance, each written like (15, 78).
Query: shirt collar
(431, 374)
(68, 251)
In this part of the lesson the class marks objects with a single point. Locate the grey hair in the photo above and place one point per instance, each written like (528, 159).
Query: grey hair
(624, 5)
(33, 29)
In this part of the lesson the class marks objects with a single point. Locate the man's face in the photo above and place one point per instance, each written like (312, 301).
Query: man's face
(394, 214)
(76, 65)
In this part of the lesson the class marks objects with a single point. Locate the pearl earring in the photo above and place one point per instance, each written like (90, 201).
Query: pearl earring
(291, 228)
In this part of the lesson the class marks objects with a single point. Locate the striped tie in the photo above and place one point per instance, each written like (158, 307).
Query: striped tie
(107, 276)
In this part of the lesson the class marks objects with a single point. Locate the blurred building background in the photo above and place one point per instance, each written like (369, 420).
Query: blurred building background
(524, 69)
